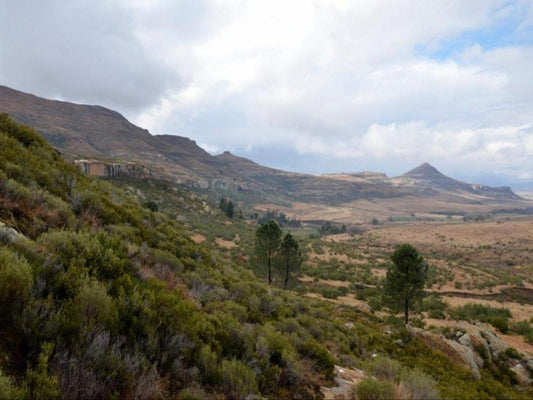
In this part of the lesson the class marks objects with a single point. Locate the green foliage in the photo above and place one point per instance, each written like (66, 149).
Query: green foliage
(384, 368)
(15, 281)
(41, 384)
(434, 306)
(281, 218)
(238, 380)
(290, 257)
(7, 390)
(497, 317)
(330, 229)
(372, 389)
(511, 352)
(105, 298)
(227, 207)
(267, 242)
(405, 279)
(151, 205)
(416, 385)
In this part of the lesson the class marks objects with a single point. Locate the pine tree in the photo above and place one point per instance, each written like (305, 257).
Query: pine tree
(290, 256)
(405, 279)
(267, 241)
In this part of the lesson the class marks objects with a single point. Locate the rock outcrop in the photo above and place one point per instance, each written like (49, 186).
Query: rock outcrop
(474, 345)
(346, 380)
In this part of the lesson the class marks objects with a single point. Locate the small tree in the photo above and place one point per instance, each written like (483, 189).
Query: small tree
(405, 279)
(267, 241)
(290, 256)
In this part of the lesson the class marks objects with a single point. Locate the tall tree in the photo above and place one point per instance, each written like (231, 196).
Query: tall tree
(290, 256)
(267, 241)
(405, 279)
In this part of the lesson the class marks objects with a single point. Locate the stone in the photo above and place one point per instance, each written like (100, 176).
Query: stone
(465, 340)
(8, 235)
(522, 374)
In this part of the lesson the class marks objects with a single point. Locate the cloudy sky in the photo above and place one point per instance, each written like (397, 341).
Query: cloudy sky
(312, 86)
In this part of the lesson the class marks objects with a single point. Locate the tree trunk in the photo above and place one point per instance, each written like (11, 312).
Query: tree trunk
(286, 275)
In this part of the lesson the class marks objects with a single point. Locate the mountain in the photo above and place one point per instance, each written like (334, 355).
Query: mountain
(103, 142)
(426, 179)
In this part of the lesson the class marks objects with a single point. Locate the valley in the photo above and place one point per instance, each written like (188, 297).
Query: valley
(179, 285)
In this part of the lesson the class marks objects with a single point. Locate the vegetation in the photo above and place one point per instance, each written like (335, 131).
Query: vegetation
(267, 242)
(227, 207)
(291, 257)
(331, 229)
(105, 296)
(497, 317)
(281, 218)
(405, 279)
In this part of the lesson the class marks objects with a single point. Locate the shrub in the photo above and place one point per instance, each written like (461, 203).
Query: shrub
(416, 385)
(15, 280)
(497, 317)
(385, 368)
(511, 352)
(7, 391)
(41, 384)
(499, 323)
(372, 389)
(238, 381)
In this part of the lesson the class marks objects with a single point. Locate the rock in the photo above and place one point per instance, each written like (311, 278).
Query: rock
(399, 343)
(346, 379)
(9, 235)
(349, 325)
(496, 346)
(529, 365)
(522, 374)
(465, 340)
(467, 355)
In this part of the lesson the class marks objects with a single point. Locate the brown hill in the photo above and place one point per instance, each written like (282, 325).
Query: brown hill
(84, 131)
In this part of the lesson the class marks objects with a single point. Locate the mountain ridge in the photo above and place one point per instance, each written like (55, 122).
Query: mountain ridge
(94, 131)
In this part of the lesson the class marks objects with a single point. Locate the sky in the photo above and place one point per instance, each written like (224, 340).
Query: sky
(315, 86)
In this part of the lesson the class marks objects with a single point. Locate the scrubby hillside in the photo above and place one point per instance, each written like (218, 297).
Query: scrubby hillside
(101, 297)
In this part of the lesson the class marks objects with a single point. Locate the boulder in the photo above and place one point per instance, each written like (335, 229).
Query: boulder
(346, 380)
(8, 235)
(522, 374)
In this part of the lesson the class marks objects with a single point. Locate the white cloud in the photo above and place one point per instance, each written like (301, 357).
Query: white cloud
(348, 79)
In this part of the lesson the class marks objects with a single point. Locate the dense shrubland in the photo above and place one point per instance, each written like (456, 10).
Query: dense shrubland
(106, 298)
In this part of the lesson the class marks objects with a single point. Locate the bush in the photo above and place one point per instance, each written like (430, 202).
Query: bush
(7, 391)
(416, 385)
(41, 383)
(385, 368)
(511, 352)
(238, 381)
(372, 389)
(497, 317)
(499, 323)
(15, 280)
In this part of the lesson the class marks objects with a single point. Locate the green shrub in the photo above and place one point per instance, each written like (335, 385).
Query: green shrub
(499, 323)
(497, 317)
(511, 352)
(238, 381)
(416, 385)
(41, 384)
(372, 389)
(7, 390)
(15, 280)
(385, 368)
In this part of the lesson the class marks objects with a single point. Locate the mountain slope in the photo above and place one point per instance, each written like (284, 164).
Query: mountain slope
(426, 178)
(93, 131)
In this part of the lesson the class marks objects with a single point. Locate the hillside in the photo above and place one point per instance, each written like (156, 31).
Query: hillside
(104, 298)
(103, 136)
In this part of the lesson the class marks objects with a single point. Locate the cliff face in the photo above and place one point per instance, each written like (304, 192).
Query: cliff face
(103, 169)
